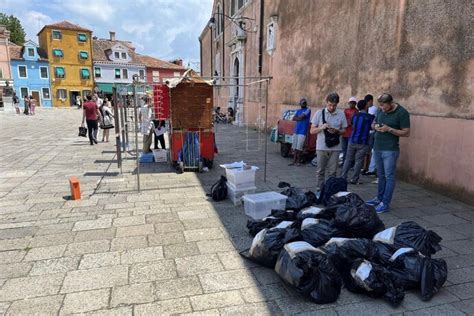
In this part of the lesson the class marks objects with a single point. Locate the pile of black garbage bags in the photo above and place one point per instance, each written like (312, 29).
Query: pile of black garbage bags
(320, 249)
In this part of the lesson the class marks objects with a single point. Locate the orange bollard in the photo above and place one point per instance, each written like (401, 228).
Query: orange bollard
(75, 188)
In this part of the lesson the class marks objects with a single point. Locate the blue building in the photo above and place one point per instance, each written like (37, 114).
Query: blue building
(30, 73)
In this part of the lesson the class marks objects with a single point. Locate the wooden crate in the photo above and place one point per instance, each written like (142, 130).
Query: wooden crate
(192, 105)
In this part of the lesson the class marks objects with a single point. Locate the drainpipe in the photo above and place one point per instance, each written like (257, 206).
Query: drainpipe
(223, 42)
(200, 56)
(260, 38)
(212, 57)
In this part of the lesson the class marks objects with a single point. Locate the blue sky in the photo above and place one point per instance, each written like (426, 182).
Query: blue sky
(166, 29)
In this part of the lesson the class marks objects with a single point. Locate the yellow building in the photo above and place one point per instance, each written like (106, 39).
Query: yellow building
(69, 49)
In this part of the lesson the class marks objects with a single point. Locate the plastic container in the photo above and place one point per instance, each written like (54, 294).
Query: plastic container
(259, 205)
(146, 157)
(160, 155)
(235, 195)
(241, 178)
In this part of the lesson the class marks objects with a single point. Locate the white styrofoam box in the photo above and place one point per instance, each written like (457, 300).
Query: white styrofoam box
(259, 205)
(235, 195)
(161, 155)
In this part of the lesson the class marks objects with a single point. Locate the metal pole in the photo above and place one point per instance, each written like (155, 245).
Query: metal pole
(265, 132)
(136, 134)
(117, 128)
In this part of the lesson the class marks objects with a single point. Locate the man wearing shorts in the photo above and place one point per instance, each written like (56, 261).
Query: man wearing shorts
(302, 117)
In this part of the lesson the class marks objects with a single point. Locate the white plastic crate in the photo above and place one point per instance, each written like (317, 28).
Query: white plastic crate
(241, 178)
(160, 155)
(259, 205)
(235, 195)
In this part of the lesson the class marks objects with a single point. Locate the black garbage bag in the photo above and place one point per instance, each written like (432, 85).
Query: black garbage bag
(297, 199)
(318, 231)
(254, 226)
(376, 281)
(286, 215)
(268, 243)
(316, 212)
(345, 198)
(383, 253)
(343, 252)
(310, 271)
(332, 186)
(350, 249)
(413, 270)
(361, 221)
(410, 234)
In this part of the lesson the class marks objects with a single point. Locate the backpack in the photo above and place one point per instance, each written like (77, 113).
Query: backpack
(332, 186)
(219, 190)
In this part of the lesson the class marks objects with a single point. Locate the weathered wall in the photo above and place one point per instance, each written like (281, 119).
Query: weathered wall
(419, 51)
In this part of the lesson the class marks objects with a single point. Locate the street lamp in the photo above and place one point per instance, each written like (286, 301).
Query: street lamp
(244, 23)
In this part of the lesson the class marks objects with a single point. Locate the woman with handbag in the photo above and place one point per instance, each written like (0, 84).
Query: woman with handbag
(106, 117)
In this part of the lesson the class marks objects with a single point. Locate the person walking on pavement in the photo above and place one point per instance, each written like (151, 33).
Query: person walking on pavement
(106, 120)
(329, 124)
(390, 124)
(16, 103)
(90, 115)
(98, 100)
(302, 117)
(146, 125)
(349, 113)
(358, 142)
(32, 105)
(26, 100)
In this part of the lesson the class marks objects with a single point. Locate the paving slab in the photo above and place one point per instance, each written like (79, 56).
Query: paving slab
(176, 288)
(132, 294)
(28, 287)
(98, 278)
(47, 305)
(86, 301)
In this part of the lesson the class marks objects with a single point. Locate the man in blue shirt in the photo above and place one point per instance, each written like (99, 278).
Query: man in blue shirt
(358, 141)
(302, 117)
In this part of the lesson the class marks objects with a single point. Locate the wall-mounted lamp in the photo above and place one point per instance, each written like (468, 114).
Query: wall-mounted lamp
(244, 23)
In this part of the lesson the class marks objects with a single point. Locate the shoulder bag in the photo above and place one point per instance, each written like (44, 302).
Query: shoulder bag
(330, 138)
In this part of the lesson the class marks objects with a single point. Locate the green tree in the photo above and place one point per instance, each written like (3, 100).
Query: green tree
(17, 33)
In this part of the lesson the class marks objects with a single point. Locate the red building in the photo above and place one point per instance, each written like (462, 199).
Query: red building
(158, 70)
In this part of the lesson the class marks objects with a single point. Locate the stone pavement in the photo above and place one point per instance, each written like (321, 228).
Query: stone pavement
(168, 249)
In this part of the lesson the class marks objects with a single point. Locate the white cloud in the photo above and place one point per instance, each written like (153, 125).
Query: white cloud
(101, 10)
(32, 22)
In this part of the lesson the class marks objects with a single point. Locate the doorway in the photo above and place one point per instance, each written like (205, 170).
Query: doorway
(36, 96)
(74, 95)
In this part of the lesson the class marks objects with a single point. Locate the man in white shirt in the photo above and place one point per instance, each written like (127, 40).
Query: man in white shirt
(329, 124)
(146, 125)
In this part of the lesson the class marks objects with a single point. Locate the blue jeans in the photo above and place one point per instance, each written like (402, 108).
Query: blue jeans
(386, 164)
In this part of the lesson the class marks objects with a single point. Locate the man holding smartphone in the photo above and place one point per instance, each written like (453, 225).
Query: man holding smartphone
(329, 124)
(390, 124)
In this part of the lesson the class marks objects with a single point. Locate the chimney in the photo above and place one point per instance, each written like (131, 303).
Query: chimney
(112, 35)
(178, 62)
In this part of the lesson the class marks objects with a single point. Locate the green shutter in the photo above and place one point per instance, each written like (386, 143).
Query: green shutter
(82, 37)
(59, 72)
(84, 55)
(58, 53)
(97, 71)
(117, 72)
(85, 73)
